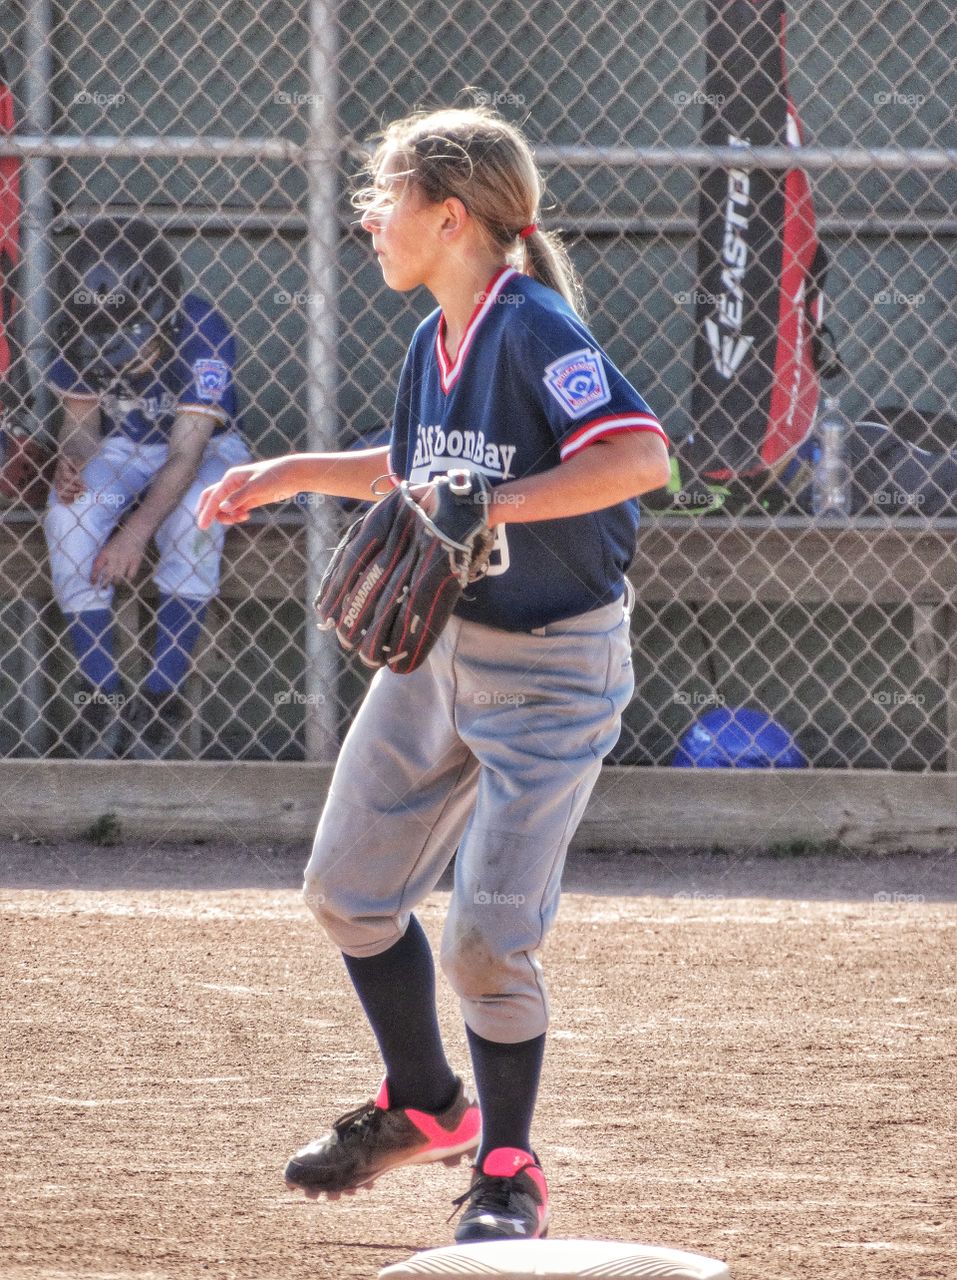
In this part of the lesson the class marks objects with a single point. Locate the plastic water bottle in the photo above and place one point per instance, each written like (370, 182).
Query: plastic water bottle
(831, 487)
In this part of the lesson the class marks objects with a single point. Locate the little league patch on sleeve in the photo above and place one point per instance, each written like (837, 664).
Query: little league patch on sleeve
(577, 381)
(212, 379)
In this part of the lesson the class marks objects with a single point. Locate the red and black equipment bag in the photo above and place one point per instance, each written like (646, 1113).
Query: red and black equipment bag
(9, 230)
(26, 458)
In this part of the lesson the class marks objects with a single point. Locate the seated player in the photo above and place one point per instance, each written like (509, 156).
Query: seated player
(145, 376)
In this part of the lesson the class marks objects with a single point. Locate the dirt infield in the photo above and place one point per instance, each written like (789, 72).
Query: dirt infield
(750, 1057)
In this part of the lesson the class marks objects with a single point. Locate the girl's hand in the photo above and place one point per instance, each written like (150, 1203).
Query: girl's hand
(118, 561)
(67, 479)
(240, 491)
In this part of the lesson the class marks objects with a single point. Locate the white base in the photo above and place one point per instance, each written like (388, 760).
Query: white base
(557, 1260)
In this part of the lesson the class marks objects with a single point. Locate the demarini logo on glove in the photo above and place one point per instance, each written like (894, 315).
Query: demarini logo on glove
(361, 596)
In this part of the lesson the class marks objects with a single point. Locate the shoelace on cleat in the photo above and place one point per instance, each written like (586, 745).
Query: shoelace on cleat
(364, 1121)
(487, 1192)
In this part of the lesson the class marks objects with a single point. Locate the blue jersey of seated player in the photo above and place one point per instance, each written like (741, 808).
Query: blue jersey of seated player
(195, 376)
(528, 389)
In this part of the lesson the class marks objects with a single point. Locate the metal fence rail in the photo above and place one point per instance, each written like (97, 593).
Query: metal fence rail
(236, 129)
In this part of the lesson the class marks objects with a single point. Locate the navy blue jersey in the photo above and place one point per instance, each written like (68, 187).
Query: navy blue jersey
(195, 377)
(528, 389)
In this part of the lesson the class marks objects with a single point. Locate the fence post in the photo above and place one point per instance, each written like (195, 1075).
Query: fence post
(37, 78)
(322, 658)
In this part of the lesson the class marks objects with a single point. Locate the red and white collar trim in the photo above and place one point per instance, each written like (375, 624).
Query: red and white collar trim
(449, 370)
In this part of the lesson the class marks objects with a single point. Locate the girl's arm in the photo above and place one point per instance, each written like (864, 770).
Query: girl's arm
(609, 471)
(80, 434)
(340, 475)
(80, 437)
(188, 438)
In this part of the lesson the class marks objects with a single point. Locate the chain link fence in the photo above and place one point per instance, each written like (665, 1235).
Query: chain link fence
(235, 129)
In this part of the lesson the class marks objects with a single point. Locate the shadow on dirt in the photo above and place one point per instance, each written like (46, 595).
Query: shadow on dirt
(838, 874)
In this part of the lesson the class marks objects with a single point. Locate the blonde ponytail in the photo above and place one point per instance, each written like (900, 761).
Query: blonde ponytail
(546, 259)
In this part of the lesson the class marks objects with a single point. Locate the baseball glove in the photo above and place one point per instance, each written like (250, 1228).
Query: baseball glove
(26, 464)
(396, 576)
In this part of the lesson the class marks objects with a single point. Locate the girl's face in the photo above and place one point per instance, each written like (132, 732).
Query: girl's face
(404, 227)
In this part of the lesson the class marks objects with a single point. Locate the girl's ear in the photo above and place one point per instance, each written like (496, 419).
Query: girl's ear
(455, 215)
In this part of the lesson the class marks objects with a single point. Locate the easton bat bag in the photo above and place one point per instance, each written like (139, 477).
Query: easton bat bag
(758, 320)
(9, 236)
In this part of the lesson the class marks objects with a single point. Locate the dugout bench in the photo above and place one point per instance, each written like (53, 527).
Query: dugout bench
(736, 562)
(692, 561)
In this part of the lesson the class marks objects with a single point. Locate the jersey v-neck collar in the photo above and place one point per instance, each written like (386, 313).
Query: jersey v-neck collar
(449, 370)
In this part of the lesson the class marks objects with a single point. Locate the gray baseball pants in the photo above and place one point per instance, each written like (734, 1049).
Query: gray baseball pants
(491, 748)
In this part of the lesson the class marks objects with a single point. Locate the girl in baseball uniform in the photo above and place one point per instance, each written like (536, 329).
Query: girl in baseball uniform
(145, 378)
(490, 749)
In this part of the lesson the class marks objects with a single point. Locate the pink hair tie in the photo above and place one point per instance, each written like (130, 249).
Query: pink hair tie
(527, 231)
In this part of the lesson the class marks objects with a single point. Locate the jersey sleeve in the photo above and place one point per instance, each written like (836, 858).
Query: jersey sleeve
(580, 392)
(208, 350)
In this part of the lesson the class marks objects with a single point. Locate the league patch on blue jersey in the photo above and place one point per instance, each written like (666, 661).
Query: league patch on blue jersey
(577, 381)
(212, 379)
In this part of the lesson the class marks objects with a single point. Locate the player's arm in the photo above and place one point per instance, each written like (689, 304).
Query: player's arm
(188, 438)
(79, 439)
(80, 429)
(120, 559)
(340, 475)
(612, 469)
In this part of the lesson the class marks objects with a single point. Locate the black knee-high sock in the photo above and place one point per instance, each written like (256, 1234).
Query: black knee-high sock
(506, 1078)
(397, 991)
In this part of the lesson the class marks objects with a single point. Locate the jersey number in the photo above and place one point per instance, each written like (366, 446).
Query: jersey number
(498, 560)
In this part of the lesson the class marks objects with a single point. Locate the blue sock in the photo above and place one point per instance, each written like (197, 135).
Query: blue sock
(506, 1080)
(178, 624)
(91, 635)
(397, 990)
